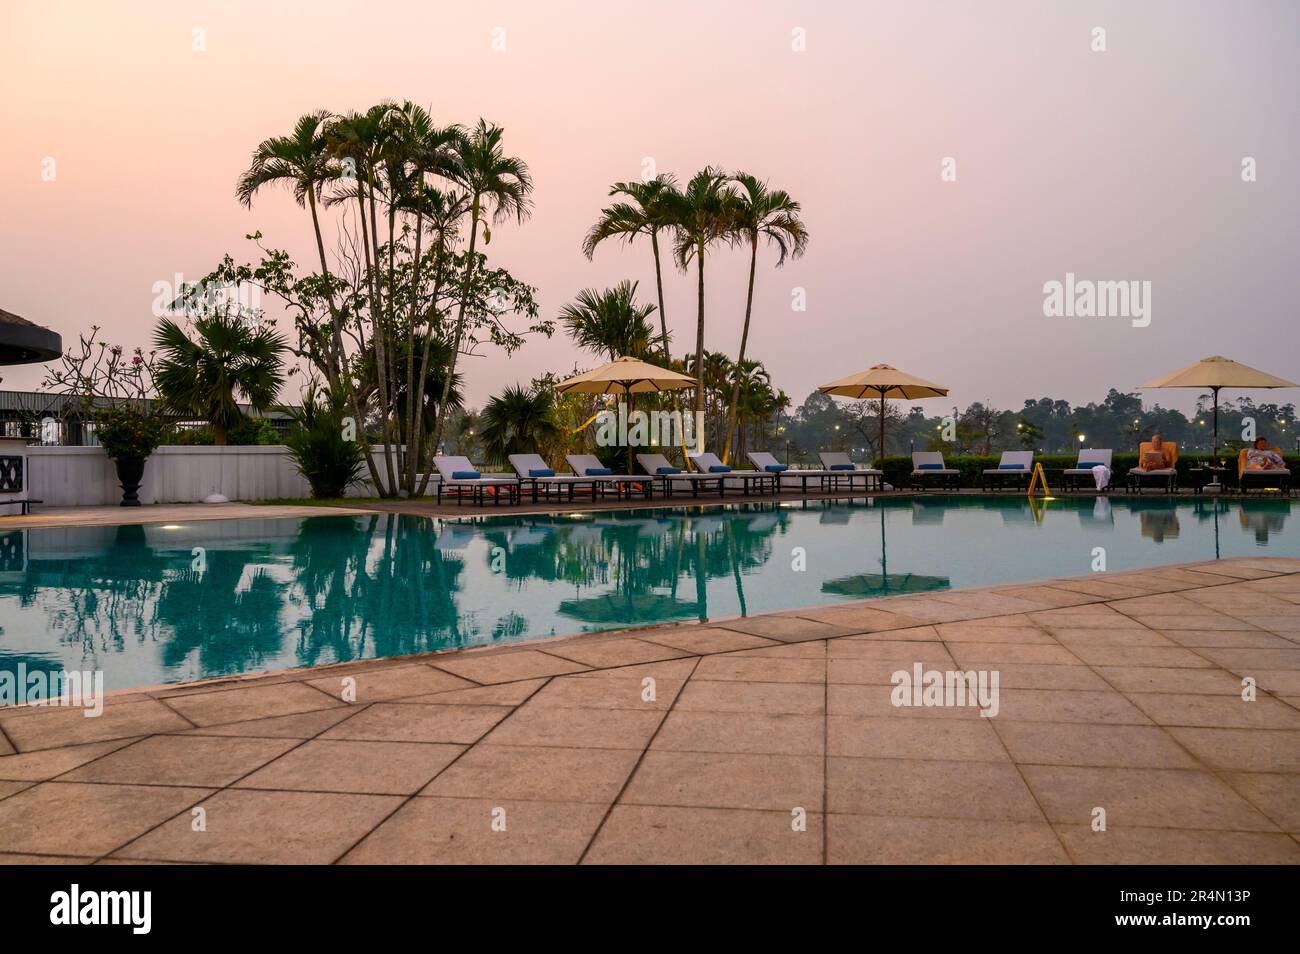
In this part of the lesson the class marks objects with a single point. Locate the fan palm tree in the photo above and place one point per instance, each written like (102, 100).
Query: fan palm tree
(494, 183)
(610, 321)
(651, 211)
(517, 421)
(301, 162)
(760, 213)
(201, 376)
(702, 213)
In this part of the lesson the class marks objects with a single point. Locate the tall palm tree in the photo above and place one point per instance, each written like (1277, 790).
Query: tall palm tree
(301, 162)
(703, 216)
(651, 211)
(610, 321)
(201, 376)
(517, 421)
(760, 213)
(494, 183)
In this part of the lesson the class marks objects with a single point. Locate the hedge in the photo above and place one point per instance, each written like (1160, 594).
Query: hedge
(898, 468)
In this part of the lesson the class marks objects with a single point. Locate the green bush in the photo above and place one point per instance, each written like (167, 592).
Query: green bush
(329, 462)
(125, 432)
(249, 432)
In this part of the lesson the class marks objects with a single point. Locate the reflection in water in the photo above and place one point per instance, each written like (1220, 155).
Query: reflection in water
(273, 593)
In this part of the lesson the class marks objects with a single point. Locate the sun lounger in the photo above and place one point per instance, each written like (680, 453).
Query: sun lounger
(1277, 478)
(533, 474)
(669, 476)
(1166, 476)
(841, 468)
(470, 481)
(767, 462)
(589, 466)
(707, 463)
(1013, 465)
(1081, 472)
(928, 466)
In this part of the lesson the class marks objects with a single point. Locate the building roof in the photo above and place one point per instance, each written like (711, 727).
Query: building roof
(22, 342)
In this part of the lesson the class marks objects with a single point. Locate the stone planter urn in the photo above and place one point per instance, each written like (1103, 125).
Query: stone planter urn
(130, 471)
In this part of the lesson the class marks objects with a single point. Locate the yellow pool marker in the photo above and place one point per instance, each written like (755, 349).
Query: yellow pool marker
(1033, 482)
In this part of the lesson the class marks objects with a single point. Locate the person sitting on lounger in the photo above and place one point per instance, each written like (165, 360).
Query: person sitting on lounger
(1262, 457)
(1156, 457)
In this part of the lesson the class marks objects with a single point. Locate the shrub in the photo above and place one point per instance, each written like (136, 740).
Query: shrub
(126, 431)
(329, 462)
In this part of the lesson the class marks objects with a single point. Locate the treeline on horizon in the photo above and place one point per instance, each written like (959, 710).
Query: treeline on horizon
(1045, 425)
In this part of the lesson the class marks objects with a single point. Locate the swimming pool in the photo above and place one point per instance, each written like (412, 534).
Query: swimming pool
(165, 603)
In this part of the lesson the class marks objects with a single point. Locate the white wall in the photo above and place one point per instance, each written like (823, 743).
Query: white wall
(84, 476)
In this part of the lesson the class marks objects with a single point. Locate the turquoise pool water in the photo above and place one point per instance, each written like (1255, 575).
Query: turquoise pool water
(276, 593)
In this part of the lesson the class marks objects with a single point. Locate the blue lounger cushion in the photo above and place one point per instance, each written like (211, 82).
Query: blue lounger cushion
(845, 466)
(719, 469)
(669, 470)
(541, 472)
(1011, 466)
(465, 475)
(1089, 464)
(599, 472)
(776, 468)
(930, 467)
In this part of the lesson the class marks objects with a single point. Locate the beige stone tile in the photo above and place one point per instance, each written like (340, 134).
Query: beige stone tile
(250, 702)
(904, 738)
(851, 647)
(607, 653)
(877, 700)
(532, 724)
(643, 834)
(1066, 705)
(506, 667)
(1219, 712)
(980, 631)
(612, 692)
(1028, 676)
(985, 655)
(753, 732)
(378, 685)
(1149, 679)
(928, 789)
(405, 722)
(194, 760)
(51, 728)
(368, 768)
(48, 763)
(1057, 743)
(816, 649)
(1277, 796)
(1200, 621)
(536, 773)
(1282, 682)
(1156, 657)
(1226, 639)
(889, 840)
(873, 672)
(437, 831)
(303, 725)
(1096, 615)
(13, 788)
(913, 634)
(673, 669)
(253, 827)
(727, 780)
(761, 669)
(1171, 798)
(702, 695)
(19, 859)
(1171, 846)
(708, 639)
(787, 629)
(502, 694)
(1246, 750)
(1049, 596)
(1071, 637)
(1240, 660)
(88, 820)
(860, 618)
(5, 747)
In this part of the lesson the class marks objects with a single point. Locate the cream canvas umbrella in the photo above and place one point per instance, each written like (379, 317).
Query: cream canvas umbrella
(1215, 373)
(626, 376)
(882, 381)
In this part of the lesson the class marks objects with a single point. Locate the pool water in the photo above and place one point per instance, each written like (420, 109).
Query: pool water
(152, 604)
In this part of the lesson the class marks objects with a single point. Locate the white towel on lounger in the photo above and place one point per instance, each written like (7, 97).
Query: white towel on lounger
(1101, 474)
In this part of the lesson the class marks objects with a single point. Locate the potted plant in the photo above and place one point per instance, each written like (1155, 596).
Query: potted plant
(129, 434)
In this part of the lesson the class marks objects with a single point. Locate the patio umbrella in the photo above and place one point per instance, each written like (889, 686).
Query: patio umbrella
(1215, 373)
(883, 381)
(626, 376)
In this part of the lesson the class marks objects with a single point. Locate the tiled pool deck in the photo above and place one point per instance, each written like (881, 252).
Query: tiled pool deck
(1120, 691)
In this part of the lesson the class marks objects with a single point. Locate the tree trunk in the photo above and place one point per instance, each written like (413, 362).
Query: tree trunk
(659, 287)
(460, 323)
(740, 359)
(699, 333)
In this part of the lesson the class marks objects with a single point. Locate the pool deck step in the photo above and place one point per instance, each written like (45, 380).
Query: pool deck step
(1167, 698)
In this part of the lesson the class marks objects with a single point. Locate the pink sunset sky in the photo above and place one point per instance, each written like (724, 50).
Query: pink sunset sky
(1116, 165)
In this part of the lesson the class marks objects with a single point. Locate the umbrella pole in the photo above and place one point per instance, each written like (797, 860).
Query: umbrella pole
(1214, 447)
(882, 430)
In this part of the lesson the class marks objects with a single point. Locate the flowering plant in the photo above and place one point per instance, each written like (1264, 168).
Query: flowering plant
(127, 430)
